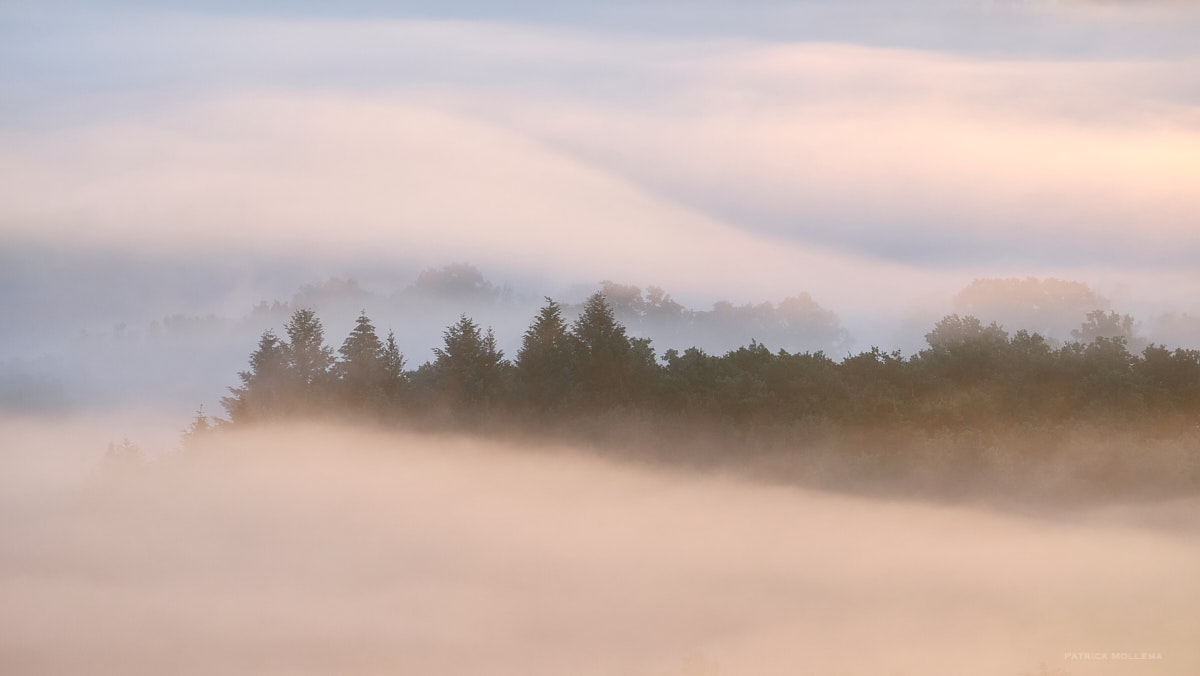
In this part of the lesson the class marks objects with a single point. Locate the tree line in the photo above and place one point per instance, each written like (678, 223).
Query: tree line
(970, 376)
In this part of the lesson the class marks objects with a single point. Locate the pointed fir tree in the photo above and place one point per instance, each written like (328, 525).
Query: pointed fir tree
(392, 368)
(198, 430)
(468, 366)
(360, 370)
(602, 351)
(265, 387)
(310, 360)
(544, 361)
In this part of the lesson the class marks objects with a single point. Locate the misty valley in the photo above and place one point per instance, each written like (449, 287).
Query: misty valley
(623, 338)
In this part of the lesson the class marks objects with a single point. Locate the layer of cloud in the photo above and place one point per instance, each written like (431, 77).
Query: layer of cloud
(328, 550)
(726, 165)
(291, 174)
(918, 157)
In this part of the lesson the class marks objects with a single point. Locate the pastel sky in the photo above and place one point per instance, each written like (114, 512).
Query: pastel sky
(864, 152)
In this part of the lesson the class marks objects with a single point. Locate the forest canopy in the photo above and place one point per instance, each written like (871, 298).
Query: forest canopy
(969, 375)
(988, 398)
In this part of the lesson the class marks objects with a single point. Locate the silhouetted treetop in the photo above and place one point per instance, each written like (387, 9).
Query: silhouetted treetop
(468, 367)
(309, 358)
(972, 376)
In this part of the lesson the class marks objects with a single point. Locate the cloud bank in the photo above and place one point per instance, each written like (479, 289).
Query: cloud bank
(688, 160)
(315, 550)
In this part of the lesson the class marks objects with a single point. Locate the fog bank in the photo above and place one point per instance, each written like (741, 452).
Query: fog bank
(308, 550)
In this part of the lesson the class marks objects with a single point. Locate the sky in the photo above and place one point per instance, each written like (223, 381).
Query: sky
(878, 155)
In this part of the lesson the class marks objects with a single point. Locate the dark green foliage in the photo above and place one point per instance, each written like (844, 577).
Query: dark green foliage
(1100, 324)
(266, 389)
(963, 350)
(309, 358)
(1169, 381)
(597, 332)
(644, 370)
(392, 367)
(469, 368)
(977, 407)
(285, 378)
(796, 323)
(687, 380)
(360, 369)
(1107, 382)
(955, 333)
(545, 364)
(602, 353)
(972, 377)
(742, 390)
(310, 363)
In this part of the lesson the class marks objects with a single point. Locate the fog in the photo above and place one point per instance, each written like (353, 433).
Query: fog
(107, 331)
(871, 155)
(878, 156)
(815, 176)
(301, 549)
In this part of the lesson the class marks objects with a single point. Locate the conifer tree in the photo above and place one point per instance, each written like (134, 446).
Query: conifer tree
(360, 369)
(392, 366)
(265, 387)
(310, 362)
(469, 367)
(544, 362)
(200, 428)
(309, 358)
(602, 351)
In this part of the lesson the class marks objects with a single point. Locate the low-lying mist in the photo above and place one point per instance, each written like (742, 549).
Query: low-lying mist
(305, 549)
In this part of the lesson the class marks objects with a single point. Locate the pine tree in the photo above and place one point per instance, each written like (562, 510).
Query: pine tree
(544, 362)
(602, 351)
(468, 366)
(392, 368)
(265, 387)
(310, 361)
(198, 430)
(360, 369)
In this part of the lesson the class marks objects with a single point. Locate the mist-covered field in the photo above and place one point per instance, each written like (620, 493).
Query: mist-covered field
(298, 549)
